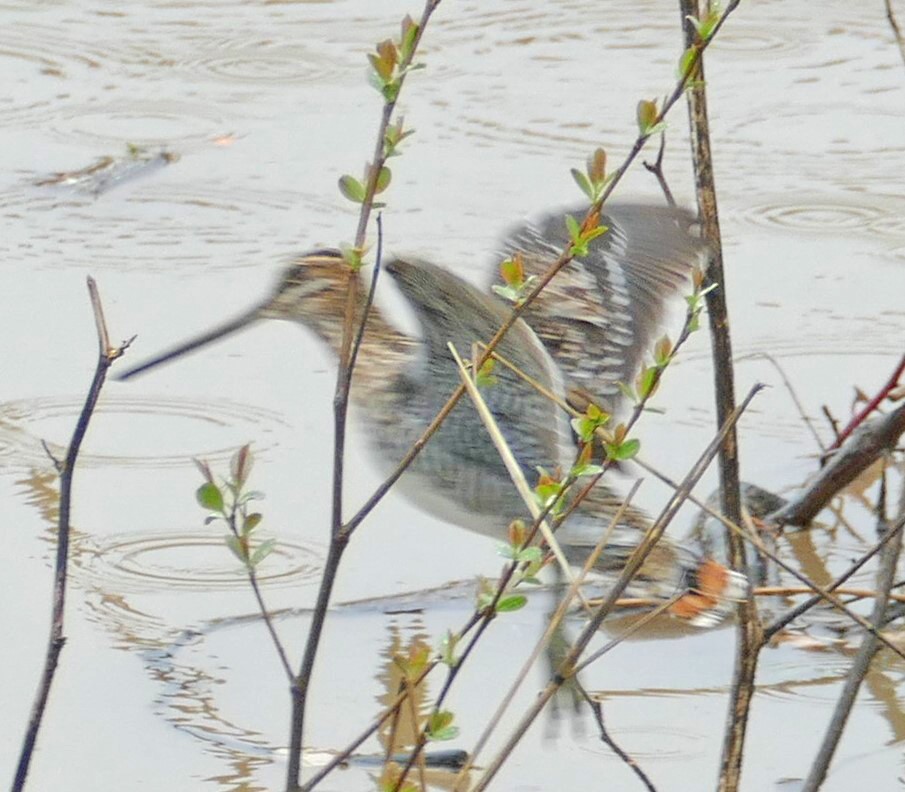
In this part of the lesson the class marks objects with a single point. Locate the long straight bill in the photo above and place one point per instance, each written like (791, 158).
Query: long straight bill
(234, 325)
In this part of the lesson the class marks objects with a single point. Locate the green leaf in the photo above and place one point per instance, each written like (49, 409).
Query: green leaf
(586, 470)
(238, 547)
(261, 552)
(251, 495)
(390, 91)
(623, 451)
(590, 236)
(510, 293)
(409, 34)
(647, 381)
(383, 179)
(511, 603)
(251, 522)
(240, 465)
(351, 188)
(448, 649)
(574, 229)
(439, 726)
(584, 183)
(506, 551)
(210, 497)
(628, 392)
(485, 377)
(531, 554)
(442, 735)
(686, 62)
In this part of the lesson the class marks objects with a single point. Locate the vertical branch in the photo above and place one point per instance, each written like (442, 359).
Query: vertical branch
(885, 579)
(749, 632)
(66, 469)
(339, 534)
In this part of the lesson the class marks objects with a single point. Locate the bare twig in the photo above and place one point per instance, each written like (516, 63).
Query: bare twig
(830, 419)
(861, 664)
(792, 393)
(748, 624)
(66, 469)
(510, 462)
(896, 30)
(872, 405)
(607, 740)
(799, 610)
(657, 170)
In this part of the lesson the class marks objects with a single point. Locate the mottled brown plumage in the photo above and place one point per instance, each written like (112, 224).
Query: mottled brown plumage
(599, 315)
(605, 305)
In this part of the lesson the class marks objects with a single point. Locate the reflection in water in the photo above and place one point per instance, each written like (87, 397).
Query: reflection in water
(400, 733)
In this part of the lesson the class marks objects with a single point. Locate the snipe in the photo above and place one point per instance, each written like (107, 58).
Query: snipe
(586, 333)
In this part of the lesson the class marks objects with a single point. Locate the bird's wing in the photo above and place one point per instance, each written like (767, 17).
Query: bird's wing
(450, 309)
(598, 316)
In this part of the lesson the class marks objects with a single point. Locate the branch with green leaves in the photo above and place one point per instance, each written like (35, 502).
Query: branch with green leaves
(229, 502)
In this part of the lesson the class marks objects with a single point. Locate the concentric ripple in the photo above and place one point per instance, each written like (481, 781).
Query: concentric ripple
(25, 423)
(750, 39)
(186, 560)
(151, 226)
(263, 61)
(155, 122)
(822, 216)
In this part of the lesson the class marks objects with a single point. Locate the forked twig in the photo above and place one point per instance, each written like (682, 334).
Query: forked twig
(106, 356)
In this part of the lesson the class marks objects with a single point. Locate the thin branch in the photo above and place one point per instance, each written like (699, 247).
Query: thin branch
(792, 393)
(57, 639)
(896, 30)
(824, 593)
(872, 405)
(542, 281)
(372, 293)
(748, 640)
(861, 664)
(339, 533)
(597, 709)
(657, 170)
(510, 462)
(786, 619)
(550, 630)
(566, 668)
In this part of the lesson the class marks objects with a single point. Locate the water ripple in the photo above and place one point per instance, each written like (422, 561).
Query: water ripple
(186, 560)
(25, 423)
